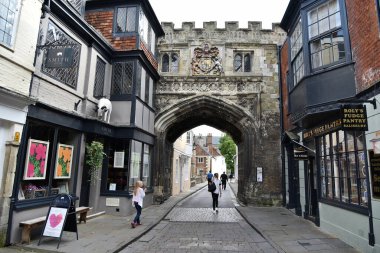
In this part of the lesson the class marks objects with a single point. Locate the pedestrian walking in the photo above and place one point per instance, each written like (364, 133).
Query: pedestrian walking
(224, 179)
(216, 193)
(137, 202)
(209, 176)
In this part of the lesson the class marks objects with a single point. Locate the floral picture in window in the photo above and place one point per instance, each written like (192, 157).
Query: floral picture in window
(64, 161)
(36, 160)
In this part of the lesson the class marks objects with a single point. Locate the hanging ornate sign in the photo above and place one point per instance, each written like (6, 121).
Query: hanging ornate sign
(354, 118)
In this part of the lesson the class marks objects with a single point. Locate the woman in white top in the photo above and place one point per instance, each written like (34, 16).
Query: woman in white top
(215, 194)
(137, 201)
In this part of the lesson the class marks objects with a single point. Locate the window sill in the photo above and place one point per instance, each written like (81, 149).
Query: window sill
(349, 207)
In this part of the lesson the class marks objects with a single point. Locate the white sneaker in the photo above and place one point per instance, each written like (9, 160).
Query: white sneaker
(213, 211)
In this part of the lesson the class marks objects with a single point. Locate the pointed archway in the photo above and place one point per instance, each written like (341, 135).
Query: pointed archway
(229, 118)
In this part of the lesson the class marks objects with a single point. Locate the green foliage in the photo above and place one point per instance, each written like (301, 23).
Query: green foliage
(94, 159)
(227, 147)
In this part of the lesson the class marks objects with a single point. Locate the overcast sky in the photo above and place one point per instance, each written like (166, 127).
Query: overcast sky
(199, 11)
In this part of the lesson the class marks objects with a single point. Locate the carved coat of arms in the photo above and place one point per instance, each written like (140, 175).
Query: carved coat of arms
(206, 61)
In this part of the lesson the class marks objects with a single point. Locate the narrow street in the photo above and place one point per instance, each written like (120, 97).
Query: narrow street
(192, 227)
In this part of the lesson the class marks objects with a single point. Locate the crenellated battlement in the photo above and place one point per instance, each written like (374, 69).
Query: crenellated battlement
(231, 33)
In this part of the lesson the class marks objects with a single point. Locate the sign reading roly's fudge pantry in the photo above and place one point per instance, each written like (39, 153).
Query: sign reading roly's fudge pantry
(352, 118)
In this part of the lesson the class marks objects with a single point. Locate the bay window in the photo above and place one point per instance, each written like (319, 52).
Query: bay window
(326, 39)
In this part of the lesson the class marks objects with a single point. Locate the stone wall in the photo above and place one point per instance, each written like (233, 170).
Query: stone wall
(207, 89)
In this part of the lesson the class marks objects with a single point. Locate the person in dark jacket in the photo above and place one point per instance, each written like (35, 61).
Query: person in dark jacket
(224, 179)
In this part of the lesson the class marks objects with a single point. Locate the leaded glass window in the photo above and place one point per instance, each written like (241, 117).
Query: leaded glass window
(174, 63)
(165, 63)
(238, 62)
(57, 41)
(242, 62)
(296, 53)
(99, 78)
(77, 5)
(9, 10)
(126, 19)
(122, 78)
(247, 63)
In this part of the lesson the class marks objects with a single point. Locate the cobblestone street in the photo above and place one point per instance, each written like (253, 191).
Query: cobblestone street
(193, 227)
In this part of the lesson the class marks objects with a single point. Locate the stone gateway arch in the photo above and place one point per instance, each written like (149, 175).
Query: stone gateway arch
(227, 79)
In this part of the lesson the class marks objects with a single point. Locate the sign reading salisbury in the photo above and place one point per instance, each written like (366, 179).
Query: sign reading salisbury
(354, 118)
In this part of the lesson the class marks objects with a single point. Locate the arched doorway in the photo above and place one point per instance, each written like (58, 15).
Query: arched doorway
(229, 118)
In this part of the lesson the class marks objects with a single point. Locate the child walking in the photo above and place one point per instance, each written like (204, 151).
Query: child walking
(137, 201)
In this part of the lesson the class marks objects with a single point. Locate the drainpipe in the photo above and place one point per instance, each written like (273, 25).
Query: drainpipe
(281, 127)
(371, 234)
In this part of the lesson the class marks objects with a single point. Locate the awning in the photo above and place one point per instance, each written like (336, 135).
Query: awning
(296, 140)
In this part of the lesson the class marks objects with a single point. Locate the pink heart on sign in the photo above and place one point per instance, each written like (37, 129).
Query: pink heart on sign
(55, 220)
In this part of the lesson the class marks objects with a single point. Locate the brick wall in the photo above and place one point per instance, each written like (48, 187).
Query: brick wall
(285, 96)
(364, 32)
(103, 22)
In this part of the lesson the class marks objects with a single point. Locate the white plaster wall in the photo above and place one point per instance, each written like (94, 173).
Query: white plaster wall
(355, 232)
(16, 63)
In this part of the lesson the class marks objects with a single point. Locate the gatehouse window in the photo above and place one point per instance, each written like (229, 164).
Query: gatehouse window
(9, 13)
(99, 78)
(342, 168)
(242, 62)
(62, 55)
(170, 63)
(297, 53)
(125, 19)
(49, 161)
(326, 38)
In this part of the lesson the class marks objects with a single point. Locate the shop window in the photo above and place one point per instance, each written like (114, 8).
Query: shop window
(146, 177)
(50, 161)
(61, 60)
(342, 168)
(135, 164)
(242, 62)
(122, 78)
(125, 19)
(326, 39)
(99, 78)
(9, 12)
(118, 158)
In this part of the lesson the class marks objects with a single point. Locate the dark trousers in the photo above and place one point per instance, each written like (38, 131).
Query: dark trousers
(215, 197)
(224, 183)
(138, 213)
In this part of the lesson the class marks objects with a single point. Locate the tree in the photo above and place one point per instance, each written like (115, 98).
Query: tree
(227, 148)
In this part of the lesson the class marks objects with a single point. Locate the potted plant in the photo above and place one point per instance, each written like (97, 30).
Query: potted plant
(94, 159)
